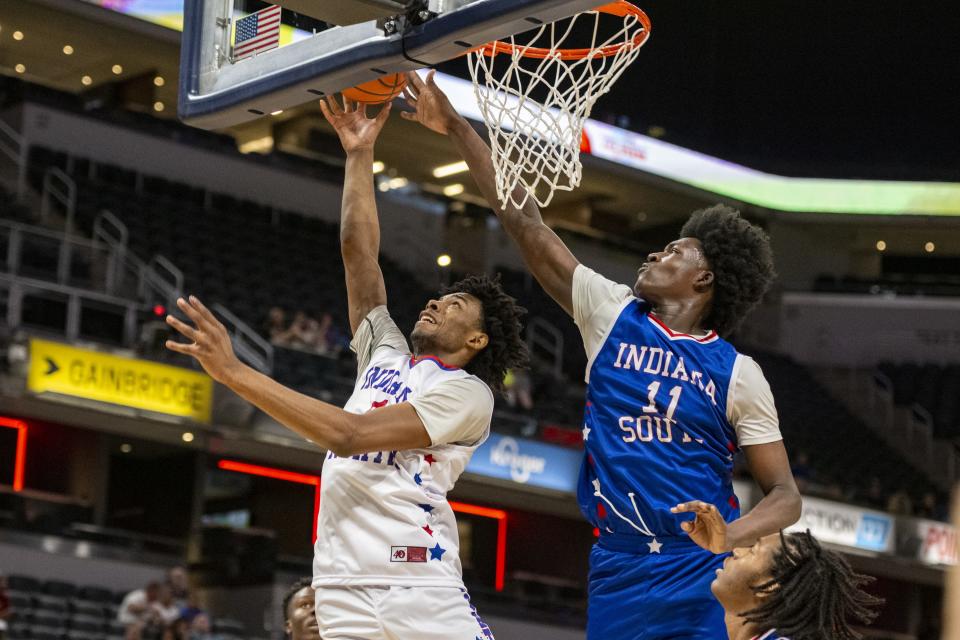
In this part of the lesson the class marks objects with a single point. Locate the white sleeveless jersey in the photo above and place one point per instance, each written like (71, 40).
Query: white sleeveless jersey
(384, 517)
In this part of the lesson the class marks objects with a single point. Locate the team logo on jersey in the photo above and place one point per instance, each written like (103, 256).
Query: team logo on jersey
(408, 554)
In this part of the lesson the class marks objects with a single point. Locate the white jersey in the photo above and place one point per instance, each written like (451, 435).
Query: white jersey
(384, 518)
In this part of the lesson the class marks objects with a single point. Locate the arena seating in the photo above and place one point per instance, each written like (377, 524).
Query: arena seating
(843, 450)
(58, 610)
(913, 285)
(936, 388)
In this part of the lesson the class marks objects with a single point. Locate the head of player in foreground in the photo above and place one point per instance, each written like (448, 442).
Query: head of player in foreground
(790, 584)
(719, 269)
(475, 325)
(299, 620)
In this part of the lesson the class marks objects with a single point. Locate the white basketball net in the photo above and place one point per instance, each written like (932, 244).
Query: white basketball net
(535, 143)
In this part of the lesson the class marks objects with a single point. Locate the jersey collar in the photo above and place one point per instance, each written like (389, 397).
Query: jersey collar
(676, 335)
(414, 361)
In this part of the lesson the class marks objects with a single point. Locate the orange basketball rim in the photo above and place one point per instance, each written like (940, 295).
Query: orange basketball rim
(619, 8)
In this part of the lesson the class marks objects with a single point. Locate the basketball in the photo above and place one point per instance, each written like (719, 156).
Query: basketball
(377, 91)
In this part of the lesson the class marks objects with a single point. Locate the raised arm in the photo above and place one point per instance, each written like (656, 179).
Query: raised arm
(547, 258)
(359, 225)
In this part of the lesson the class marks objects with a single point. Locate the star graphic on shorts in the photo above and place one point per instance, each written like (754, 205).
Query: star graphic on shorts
(427, 529)
(654, 546)
(429, 459)
(426, 507)
(436, 553)
(586, 432)
(416, 478)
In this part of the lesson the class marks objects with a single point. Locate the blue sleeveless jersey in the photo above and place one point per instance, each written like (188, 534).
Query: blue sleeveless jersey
(655, 429)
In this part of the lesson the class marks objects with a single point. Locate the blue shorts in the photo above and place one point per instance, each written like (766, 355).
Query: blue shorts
(640, 595)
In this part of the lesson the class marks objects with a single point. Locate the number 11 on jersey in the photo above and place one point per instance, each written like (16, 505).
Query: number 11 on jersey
(643, 428)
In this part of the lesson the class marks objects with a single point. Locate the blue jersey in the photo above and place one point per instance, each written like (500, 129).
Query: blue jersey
(656, 431)
(665, 414)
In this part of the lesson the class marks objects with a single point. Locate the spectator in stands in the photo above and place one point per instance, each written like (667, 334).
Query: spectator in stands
(135, 610)
(802, 472)
(517, 389)
(900, 503)
(5, 611)
(201, 629)
(179, 586)
(873, 496)
(930, 507)
(788, 586)
(300, 622)
(147, 613)
(304, 332)
(276, 328)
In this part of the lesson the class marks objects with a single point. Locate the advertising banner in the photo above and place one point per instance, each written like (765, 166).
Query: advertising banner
(846, 525)
(527, 462)
(83, 373)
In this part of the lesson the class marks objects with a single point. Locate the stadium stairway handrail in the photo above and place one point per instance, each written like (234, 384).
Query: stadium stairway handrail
(11, 145)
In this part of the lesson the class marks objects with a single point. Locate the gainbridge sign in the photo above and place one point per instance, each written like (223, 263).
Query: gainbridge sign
(82, 373)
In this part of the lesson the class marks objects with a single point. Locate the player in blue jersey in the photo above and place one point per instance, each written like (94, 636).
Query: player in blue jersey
(787, 587)
(669, 402)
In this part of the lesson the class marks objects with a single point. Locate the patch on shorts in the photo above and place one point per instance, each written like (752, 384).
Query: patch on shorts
(408, 554)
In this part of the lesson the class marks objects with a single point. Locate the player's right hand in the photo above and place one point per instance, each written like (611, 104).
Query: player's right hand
(430, 105)
(708, 528)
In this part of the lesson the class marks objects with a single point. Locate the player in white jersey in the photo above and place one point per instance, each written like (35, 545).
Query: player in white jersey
(785, 586)
(386, 564)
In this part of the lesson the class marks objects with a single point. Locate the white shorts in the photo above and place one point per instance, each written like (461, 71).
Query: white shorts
(398, 613)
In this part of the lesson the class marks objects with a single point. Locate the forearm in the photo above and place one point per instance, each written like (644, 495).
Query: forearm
(359, 225)
(323, 424)
(544, 253)
(777, 510)
(475, 151)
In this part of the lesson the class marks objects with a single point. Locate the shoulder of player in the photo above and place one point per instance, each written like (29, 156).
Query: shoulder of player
(467, 384)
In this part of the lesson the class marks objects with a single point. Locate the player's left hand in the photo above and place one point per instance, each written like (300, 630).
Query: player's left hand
(708, 529)
(356, 130)
(210, 343)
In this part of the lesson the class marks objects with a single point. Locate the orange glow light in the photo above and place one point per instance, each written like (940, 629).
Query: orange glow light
(302, 478)
(20, 458)
(501, 517)
(279, 474)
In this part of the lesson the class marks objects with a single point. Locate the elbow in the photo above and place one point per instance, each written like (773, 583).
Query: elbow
(342, 440)
(793, 507)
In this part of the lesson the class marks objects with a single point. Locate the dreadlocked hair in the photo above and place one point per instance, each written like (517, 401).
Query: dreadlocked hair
(740, 258)
(292, 591)
(811, 593)
(502, 316)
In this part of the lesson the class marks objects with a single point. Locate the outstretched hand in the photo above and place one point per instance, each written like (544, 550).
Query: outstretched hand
(430, 105)
(355, 130)
(210, 343)
(708, 529)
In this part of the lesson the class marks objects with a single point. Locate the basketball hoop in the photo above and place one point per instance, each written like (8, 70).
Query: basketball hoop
(534, 99)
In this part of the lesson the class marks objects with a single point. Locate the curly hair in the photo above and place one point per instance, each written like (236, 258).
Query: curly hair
(811, 593)
(740, 258)
(502, 322)
(292, 591)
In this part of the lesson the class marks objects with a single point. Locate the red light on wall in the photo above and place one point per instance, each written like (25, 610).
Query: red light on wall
(20, 457)
(279, 474)
(159, 310)
(302, 478)
(501, 517)
(268, 472)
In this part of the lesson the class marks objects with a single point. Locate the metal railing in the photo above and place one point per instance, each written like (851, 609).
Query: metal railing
(11, 146)
(249, 345)
(546, 341)
(41, 263)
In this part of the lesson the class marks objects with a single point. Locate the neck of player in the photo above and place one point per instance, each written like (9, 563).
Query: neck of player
(683, 315)
(740, 629)
(459, 359)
